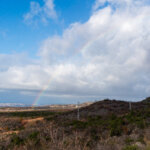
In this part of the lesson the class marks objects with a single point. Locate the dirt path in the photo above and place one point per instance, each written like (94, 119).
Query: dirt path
(24, 123)
(9, 132)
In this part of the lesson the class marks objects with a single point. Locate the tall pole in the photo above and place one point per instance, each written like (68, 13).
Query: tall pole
(130, 106)
(78, 111)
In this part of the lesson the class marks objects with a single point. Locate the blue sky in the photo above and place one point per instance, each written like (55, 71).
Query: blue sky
(18, 36)
(62, 51)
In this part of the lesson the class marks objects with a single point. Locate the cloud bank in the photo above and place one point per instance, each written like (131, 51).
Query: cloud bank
(106, 56)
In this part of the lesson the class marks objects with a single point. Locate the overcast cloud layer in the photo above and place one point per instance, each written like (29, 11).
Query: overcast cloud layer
(107, 55)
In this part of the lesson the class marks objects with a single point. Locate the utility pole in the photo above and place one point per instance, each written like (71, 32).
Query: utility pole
(78, 111)
(130, 106)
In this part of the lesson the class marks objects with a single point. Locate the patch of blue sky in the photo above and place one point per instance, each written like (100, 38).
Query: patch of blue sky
(16, 36)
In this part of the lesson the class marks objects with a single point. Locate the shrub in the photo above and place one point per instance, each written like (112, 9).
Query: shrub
(78, 124)
(128, 140)
(115, 127)
(147, 147)
(34, 135)
(141, 139)
(94, 134)
(16, 140)
(115, 131)
(131, 147)
(49, 118)
(95, 121)
(140, 124)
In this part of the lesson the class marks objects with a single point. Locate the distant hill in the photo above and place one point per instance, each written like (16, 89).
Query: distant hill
(107, 107)
(147, 100)
(12, 105)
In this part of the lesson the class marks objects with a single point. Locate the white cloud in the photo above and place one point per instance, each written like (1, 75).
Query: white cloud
(107, 55)
(40, 13)
(119, 3)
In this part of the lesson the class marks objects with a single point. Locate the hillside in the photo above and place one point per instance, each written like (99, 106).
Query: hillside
(108, 107)
(103, 125)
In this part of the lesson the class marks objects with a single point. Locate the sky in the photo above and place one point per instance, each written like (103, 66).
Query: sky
(62, 51)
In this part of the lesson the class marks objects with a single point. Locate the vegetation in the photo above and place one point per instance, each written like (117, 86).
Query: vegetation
(133, 147)
(28, 114)
(41, 130)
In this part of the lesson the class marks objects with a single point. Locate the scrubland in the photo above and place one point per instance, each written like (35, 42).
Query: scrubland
(104, 125)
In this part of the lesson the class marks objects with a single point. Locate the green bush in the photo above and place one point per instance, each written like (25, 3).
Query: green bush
(78, 124)
(16, 140)
(140, 124)
(131, 147)
(94, 134)
(141, 139)
(147, 147)
(128, 140)
(115, 126)
(29, 114)
(131, 117)
(95, 121)
(115, 131)
(34, 135)
(137, 118)
(49, 118)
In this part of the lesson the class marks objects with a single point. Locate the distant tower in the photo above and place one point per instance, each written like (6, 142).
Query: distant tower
(78, 111)
(130, 106)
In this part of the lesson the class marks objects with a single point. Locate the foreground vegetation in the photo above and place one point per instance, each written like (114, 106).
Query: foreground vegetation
(47, 130)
